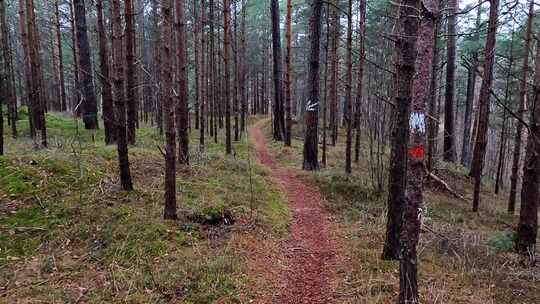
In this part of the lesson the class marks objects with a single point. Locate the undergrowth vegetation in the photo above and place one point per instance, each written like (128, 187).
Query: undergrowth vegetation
(70, 234)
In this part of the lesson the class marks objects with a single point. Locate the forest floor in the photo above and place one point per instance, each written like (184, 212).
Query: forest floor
(69, 234)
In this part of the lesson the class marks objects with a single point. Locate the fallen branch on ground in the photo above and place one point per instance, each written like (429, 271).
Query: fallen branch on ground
(445, 186)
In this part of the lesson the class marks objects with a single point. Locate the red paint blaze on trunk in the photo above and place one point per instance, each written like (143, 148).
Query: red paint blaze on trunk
(417, 152)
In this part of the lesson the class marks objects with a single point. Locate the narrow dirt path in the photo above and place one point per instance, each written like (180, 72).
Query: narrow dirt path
(311, 251)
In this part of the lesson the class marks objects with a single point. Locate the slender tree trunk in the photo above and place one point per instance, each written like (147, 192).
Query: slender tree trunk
(226, 67)
(243, 91)
(449, 140)
(501, 158)
(325, 83)
(527, 229)
(348, 90)
(196, 42)
(76, 98)
(27, 70)
(156, 70)
(182, 106)
(334, 69)
(399, 139)
(408, 282)
(131, 73)
(288, 74)
(483, 116)
(360, 78)
(38, 92)
(106, 87)
(311, 140)
(119, 96)
(236, 105)
(519, 129)
(277, 72)
(204, 81)
(471, 88)
(62, 86)
(433, 125)
(89, 104)
(168, 112)
(8, 83)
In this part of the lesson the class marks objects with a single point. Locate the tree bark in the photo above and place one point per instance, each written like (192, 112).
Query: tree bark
(334, 70)
(485, 93)
(106, 87)
(131, 73)
(449, 140)
(279, 127)
(288, 74)
(76, 96)
(421, 56)
(182, 106)
(89, 104)
(360, 78)
(9, 85)
(62, 85)
(203, 78)
(119, 96)
(168, 112)
(37, 89)
(311, 140)
(527, 229)
(226, 67)
(471, 88)
(521, 108)
(348, 94)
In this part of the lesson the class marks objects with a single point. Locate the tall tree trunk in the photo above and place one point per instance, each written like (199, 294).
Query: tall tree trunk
(471, 88)
(348, 94)
(203, 76)
(400, 137)
(334, 69)
(168, 112)
(226, 67)
(311, 140)
(182, 106)
(288, 74)
(157, 66)
(360, 78)
(408, 282)
(433, 109)
(449, 140)
(519, 129)
(89, 104)
(501, 156)
(9, 85)
(527, 229)
(76, 94)
(236, 105)
(243, 91)
(106, 88)
(483, 115)
(325, 83)
(277, 73)
(38, 92)
(196, 42)
(119, 96)
(131, 73)
(27, 70)
(62, 86)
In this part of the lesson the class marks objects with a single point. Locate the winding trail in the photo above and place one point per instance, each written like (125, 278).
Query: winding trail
(312, 249)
